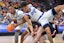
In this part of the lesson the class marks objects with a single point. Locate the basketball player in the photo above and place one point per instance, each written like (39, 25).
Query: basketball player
(36, 27)
(42, 18)
(18, 18)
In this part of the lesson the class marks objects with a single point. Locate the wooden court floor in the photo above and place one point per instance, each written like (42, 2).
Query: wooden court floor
(10, 39)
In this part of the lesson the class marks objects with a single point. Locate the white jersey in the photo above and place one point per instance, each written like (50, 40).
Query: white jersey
(38, 16)
(17, 16)
(34, 13)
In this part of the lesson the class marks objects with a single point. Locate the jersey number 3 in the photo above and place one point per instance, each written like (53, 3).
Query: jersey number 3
(33, 12)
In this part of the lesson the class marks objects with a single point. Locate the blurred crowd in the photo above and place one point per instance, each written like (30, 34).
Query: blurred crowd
(42, 5)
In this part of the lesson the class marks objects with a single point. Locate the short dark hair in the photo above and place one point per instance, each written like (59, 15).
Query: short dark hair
(23, 4)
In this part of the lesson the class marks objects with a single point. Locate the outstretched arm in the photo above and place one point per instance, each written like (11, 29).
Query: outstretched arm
(26, 18)
(59, 8)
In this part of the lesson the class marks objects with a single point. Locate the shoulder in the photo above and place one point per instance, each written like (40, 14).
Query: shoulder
(30, 5)
(19, 12)
(8, 14)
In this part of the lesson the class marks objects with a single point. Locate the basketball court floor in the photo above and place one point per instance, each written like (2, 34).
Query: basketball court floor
(10, 39)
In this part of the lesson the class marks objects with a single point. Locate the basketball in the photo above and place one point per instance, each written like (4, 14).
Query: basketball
(10, 27)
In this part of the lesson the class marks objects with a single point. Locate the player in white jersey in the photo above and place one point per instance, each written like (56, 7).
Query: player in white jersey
(36, 27)
(43, 19)
(18, 18)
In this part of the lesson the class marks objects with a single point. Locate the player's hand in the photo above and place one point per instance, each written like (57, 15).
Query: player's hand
(32, 33)
(15, 25)
(35, 33)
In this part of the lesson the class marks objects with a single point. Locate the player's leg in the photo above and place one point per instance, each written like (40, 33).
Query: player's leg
(18, 28)
(16, 35)
(36, 29)
(47, 16)
(58, 8)
(27, 31)
(48, 32)
(39, 32)
(22, 36)
(46, 27)
(54, 34)
(42, 39)
(53, 29)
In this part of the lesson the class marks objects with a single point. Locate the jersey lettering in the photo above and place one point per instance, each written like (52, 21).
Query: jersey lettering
(33, 12)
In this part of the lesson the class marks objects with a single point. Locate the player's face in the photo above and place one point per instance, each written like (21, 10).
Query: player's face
(11, 10)
(26, 9)
(36, 28)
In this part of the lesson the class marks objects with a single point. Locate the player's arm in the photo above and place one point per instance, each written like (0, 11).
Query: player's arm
(22, 22)
(59, 8)
(26, 18)
(60, 13)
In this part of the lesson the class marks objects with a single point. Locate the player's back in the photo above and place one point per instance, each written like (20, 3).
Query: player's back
(34, 13)
(17, 16)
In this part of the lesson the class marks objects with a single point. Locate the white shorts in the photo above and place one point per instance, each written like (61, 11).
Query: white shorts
(20, 27)
(46, 17)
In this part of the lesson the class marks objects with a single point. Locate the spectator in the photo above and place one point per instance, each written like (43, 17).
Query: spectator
(2, 4)
(7, 4)
(1, 17)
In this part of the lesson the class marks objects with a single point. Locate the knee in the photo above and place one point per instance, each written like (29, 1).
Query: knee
(23, 34)
(39, 34)
(48, 32)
